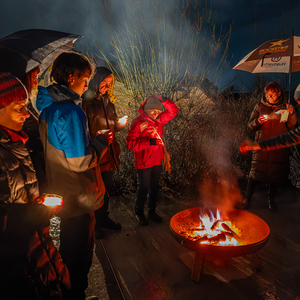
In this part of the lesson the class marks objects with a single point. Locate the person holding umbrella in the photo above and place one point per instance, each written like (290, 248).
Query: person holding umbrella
(31, 267)
(98, 104)
(271, 117)
(71, 160)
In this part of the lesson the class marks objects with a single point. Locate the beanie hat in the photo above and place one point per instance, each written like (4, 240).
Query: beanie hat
(11, 90)
(297, 92)
(153, 103)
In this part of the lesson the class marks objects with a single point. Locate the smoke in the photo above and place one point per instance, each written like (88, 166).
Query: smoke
(220, 187)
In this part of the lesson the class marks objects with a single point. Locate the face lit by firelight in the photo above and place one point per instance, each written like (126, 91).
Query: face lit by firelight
(79, 84)
(104, 85)
(272, 96)
(13, 115)
(153, 113)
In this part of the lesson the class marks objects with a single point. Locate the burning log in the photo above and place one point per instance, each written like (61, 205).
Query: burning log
(213, 227)
(218, 238)
(230, 232)
(199, 239)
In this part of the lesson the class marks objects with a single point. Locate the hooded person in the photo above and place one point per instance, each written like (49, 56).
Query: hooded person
(31, 267)
(98, 104)
(145, 139)
(269, 118)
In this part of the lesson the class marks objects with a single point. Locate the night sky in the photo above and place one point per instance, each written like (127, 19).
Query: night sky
(254, 22)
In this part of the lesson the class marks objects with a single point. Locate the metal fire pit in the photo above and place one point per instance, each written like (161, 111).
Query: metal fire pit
(254, 235)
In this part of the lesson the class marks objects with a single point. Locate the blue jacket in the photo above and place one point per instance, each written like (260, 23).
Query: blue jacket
(70, 157)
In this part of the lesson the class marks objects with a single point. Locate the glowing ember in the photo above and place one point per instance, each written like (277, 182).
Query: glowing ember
(123, 120)
(214, 231)
(53, 200)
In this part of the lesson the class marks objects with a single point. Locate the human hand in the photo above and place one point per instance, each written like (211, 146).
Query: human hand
(108, 134)
(249, 145)
(290, 109)
(123, 121)
(159, 141)
(53, 202)
(263, 119)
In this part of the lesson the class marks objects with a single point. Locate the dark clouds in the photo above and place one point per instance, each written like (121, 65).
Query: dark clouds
(270, 19)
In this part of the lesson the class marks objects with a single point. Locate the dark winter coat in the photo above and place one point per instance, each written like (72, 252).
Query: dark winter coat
(71, 158)
(29, 261)
(273, 166)
(141, 132)
(100, 111)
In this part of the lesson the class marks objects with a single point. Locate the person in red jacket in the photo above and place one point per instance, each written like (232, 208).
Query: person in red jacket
(145, 139)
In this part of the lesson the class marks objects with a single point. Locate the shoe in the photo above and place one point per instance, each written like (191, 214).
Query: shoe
(142, 219)
(108, 223)
(154, 217)
(272, 205)
(245, 204)
(99, 234)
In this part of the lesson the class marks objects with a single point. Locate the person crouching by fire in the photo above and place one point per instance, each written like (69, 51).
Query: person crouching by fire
(31, 267)
(145, 139)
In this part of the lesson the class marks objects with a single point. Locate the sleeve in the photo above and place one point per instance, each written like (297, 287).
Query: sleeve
(137, 140)
(72, 134)
(69, 133)
(292, 121)
(253, 123)
(170, 112)
(36, 216)
(284, 140)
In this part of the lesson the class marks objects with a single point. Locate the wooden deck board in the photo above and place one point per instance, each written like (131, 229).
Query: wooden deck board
(150, 264)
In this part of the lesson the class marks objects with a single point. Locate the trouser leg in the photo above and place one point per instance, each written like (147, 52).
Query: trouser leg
(102, 212)
(272, 190)
(76, 248)
(250, 189)
(154, 187)
(143, 176)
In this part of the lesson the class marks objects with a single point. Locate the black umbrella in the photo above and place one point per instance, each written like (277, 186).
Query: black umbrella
(22, 51)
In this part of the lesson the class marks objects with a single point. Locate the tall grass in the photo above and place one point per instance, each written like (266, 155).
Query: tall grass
(171, 47)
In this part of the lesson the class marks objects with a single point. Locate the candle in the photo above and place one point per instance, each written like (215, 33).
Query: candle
(123, 120)
(52, 200)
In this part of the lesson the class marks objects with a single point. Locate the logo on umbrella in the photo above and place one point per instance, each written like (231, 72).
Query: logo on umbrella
(276, 59)
(278, 43)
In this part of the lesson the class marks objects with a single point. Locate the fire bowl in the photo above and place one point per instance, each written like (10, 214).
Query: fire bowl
(254, 232)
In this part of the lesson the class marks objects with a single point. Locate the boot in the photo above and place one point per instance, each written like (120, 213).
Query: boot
(272, 205)
(108, 223)
(154, 216)
(139, 214)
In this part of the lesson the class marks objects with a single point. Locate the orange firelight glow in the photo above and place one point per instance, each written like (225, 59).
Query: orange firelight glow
(213, 230)
(52, 200)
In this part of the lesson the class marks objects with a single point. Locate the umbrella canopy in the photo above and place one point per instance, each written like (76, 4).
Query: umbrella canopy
(22, 51)
(275, 56)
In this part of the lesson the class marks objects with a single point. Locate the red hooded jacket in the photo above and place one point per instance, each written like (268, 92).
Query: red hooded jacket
(141, 131)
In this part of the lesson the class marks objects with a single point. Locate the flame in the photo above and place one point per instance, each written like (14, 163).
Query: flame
(213, 230)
